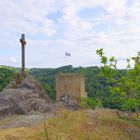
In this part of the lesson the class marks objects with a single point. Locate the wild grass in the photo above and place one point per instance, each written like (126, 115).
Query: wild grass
(99, 124)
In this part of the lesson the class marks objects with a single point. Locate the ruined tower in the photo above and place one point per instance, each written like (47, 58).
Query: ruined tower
(71, 85)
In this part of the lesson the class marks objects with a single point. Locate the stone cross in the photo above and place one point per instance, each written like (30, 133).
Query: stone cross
(23, 43)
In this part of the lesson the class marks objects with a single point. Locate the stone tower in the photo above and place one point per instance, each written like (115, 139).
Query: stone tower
(71, 85)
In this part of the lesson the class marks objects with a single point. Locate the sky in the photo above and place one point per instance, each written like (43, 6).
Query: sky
(79, 27)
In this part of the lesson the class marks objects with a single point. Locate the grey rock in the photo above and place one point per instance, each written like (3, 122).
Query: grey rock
(28, 96)
(69, 103)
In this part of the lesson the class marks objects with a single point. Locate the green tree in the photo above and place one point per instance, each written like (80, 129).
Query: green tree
(124, 86)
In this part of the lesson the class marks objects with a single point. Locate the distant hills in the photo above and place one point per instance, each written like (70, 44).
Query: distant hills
(15, 69)
(96, 87)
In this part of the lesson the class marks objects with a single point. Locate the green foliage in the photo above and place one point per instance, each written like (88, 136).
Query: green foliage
(6, 75)
(104, 60)
(100, 52)
(124, 86)
(106, 87)
(96, 86)
(88, 103)
(47, 76)
(130, 104)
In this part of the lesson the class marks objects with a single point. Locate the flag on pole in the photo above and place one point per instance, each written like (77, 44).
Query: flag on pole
(67, 54)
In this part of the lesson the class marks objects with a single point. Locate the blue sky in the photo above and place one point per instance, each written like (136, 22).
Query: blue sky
(80, 27)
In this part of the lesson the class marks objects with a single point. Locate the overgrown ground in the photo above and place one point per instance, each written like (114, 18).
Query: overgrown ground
(99, 124)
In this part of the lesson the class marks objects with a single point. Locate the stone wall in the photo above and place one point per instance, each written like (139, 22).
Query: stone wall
(71, 85)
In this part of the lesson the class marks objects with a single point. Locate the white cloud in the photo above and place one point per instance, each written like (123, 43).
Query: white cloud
(12, 59)
(9, 60)
(117, 31)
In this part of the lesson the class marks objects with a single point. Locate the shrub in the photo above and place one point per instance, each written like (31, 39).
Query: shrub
(88, 103)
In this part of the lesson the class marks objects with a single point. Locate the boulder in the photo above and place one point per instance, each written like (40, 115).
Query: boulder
(67, 102)
(24, 97)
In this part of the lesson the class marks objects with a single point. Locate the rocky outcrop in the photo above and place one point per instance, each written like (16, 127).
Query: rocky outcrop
(67, 102)
(24, 97)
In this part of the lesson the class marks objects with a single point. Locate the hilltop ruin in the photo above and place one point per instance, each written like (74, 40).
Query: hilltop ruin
(70, 85)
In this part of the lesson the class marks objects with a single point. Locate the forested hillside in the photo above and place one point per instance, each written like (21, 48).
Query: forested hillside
(99, 90)
(96, 87)
(7, 74)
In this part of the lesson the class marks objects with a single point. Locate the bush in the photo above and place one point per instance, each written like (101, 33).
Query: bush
(88, 103)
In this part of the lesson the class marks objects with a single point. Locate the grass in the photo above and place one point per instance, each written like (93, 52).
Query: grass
(99, 124)
(7, 119)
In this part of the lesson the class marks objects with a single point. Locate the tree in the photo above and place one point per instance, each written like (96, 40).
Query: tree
(124, 86)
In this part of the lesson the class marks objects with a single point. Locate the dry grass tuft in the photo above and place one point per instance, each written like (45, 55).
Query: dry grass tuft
(99, 124)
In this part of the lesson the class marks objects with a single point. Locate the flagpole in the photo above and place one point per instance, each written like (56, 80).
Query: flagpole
(66, 54)
(65, 63)
(65, 76)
